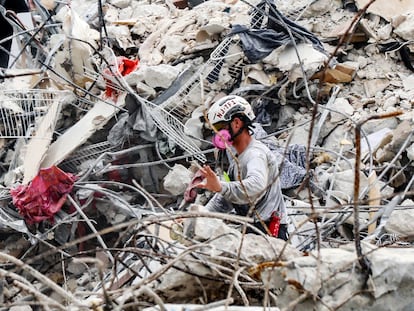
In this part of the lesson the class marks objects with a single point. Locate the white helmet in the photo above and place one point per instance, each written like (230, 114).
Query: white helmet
(227, 107)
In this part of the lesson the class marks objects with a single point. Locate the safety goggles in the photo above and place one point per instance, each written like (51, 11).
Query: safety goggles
(221, 125)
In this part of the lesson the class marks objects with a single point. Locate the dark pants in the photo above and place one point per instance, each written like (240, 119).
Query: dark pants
(283, 233)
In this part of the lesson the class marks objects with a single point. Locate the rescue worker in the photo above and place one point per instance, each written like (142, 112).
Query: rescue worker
(257, 184)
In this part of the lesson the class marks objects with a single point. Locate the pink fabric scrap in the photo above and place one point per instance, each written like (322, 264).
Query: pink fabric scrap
(190, 193)
(44, 196)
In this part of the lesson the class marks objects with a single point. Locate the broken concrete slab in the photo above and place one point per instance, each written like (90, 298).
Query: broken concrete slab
(331, 275)
(375, 141)
(122, 36)
(177, 179)
(384, 32)
(408, 82)
(221, 243)
(400, 134)
(375, 86)
(225, 237)
(387, 9)
(37, 148)
(286, 59)
(400, 221)
(344, 182)
(75, 136)
(76, 69)
(404, 26)
(256, 73)
(159, 76)
(176, 307)
(341, 110)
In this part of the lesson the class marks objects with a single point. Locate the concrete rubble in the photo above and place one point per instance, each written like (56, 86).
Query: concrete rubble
(102, 134)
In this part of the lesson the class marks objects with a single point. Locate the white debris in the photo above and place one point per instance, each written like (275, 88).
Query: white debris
(344, 182)
(321, 274)
(177, 179)
(95, 119)
(408, 83)
(401, 220)
(157, 76)
(387, 9)
(375, 140)
(286, 59)
(342, 110)
(405, 26)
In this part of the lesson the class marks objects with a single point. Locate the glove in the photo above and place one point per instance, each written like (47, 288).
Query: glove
(274, 225)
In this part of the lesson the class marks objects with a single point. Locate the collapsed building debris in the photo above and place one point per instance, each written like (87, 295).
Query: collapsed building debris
(103, 129)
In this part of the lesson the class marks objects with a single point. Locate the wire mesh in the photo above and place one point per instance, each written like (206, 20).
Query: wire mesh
(227, 55)
(86, 154)
(4, 194)
(183, 102)
(171, 115)
(84, 103)
(20, 111)
(175, 130)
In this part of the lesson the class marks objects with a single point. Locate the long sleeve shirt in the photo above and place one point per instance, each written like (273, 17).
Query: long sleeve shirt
(259, 184)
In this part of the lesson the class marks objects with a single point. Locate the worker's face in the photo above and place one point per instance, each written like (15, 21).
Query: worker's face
(221, 126)
(236, 124)
(222, 137)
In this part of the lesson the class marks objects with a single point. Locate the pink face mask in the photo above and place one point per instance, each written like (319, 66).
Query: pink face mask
(222, 139)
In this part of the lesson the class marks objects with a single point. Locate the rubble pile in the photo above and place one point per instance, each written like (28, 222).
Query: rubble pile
(103, 129)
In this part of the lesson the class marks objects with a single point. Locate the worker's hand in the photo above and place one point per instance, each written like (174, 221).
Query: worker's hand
(211, 181)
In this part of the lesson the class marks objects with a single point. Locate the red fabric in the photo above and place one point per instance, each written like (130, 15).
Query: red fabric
(190, 193)
(44, 196)
(274, 225)
(125, 67)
